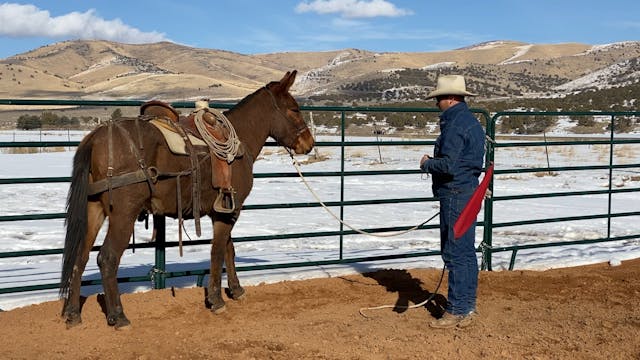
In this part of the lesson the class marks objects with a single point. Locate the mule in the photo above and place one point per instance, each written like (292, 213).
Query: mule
(129, 144)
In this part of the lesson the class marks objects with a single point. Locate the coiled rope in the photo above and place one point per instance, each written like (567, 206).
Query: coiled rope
(223, 150)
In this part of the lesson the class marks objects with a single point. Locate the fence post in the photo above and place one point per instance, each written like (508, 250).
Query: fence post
(609, 195)
(342, 159)
(158, 270)
(488, 202)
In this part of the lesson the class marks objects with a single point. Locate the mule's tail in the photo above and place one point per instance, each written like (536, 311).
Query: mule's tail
(76, 218)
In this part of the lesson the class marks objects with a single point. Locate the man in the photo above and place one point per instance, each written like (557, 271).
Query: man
(455, 167)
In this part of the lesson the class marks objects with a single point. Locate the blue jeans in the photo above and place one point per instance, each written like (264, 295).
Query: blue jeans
(459, 255)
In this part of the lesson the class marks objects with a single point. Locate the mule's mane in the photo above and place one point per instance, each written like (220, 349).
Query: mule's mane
(248, 98)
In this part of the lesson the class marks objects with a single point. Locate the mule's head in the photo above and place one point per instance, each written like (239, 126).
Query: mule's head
(289, 128)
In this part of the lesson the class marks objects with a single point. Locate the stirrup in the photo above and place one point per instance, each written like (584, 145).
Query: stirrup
(225, 201)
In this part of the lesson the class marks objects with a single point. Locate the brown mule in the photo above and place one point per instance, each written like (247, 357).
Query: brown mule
(133, 146)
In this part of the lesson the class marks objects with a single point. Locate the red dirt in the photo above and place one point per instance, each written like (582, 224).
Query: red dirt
(590, 312)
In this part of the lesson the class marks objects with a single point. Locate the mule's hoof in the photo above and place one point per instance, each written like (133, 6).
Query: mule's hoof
(214, 303)
(71, 323)
(119, 321)
(219, 310)
(72, 320)
(238, 294)
(123, 327)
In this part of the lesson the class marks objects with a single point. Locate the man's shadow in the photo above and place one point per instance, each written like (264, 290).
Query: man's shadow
(409, 289)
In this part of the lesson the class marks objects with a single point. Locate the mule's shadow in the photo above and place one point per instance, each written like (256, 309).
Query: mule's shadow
(409, 290)
(101, 301)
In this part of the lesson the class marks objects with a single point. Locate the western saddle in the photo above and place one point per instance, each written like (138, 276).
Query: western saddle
(215, 130)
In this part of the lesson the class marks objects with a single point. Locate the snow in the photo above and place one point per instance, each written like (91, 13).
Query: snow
(51, 198)
(440, 65)
(308, 80)
(607, 47)
(601, 79)
(564, 124)
(487, 45)
(392, 70)
(521, 50)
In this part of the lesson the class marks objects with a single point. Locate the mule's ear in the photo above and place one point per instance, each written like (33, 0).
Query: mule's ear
(288, 79)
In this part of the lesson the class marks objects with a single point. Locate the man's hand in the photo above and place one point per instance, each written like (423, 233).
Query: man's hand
(424, 158)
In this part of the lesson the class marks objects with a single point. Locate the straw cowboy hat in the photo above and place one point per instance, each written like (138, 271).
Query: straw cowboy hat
(450, 85)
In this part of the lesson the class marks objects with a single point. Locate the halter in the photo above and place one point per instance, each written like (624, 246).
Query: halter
(298, 130)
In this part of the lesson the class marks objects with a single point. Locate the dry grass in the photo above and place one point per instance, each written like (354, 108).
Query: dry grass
(32, 150)
(627, 152)
(596, 129)
(314, 158)
(623, 154)
(545, 174)
(508, 177)
(357, 154)
(601, 151)
(273, 151)
(568, 151)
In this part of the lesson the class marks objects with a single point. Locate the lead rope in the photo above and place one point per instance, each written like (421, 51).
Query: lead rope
(296, 164)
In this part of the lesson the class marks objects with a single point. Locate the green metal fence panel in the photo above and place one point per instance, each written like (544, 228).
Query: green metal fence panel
(610, 141)
(159, 273)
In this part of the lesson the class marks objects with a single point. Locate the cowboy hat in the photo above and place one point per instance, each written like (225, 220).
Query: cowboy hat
(450, 85)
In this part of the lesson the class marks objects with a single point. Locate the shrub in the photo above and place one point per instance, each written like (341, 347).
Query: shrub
(29, 122)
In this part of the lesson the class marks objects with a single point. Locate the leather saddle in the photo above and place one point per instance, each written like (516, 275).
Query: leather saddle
(187, 129)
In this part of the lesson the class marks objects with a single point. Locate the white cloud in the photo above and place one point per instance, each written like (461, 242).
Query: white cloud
(352, 8)
(17, 20)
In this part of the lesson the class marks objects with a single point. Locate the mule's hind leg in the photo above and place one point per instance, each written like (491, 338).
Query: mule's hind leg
(116, 241)
(71, 308)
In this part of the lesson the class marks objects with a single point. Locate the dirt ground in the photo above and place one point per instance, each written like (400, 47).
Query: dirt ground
(590, 312)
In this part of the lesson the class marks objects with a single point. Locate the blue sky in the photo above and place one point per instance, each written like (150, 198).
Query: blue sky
(265, 26)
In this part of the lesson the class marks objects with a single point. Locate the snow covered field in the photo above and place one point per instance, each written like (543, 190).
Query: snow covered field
(51, 197)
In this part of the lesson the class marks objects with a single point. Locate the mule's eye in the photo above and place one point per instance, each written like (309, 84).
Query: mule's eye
(295, 110)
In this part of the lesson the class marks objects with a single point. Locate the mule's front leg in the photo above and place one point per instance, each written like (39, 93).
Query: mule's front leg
(221, 234)
(108, 261)
(237, 292)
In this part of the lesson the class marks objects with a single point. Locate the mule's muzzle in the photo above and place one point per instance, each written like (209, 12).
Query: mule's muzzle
(304, 145)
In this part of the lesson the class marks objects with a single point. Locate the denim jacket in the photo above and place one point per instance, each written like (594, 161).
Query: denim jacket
(458, 154)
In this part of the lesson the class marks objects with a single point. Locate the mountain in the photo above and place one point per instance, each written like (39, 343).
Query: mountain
(496, 70)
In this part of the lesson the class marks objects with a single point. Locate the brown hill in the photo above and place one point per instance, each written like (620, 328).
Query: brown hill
(108, 70)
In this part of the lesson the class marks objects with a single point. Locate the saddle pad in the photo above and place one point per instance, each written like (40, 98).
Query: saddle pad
(174, 140)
